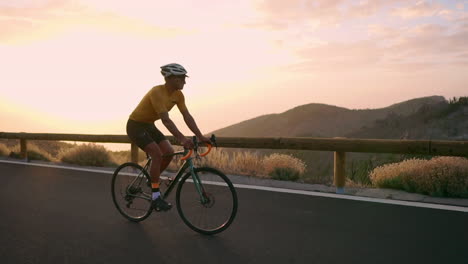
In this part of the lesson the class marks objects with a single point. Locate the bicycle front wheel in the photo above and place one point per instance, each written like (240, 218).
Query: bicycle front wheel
(131, 191)
(210, 206)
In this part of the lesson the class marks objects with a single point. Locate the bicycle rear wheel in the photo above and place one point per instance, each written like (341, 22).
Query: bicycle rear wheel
(131, 191)
(215, 210)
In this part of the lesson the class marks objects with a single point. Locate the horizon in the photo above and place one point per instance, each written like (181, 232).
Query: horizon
(83, 66)
(126, 146)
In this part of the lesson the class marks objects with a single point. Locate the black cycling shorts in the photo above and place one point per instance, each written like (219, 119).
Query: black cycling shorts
(143, 133)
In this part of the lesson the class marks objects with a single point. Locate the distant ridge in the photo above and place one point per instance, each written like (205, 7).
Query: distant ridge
(322, 120)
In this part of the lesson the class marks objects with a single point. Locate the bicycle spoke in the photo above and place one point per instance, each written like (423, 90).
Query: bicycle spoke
(214, 211)
(131, 192)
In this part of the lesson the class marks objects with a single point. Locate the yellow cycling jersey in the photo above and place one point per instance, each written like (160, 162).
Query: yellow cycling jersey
(156, 101)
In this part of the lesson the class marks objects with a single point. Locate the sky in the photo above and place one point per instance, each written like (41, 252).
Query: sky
(82, 66)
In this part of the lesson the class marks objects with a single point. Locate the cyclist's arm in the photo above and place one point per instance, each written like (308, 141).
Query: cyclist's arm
(191, 123)
(171, 126)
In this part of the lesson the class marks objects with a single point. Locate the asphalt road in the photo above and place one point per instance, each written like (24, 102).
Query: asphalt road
(51, 215)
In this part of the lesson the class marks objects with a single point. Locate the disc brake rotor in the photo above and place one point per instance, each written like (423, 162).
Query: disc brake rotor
(209, 200)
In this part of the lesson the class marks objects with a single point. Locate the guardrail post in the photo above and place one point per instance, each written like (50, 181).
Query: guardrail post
(134, 153)
(24, 149)
(340, 176)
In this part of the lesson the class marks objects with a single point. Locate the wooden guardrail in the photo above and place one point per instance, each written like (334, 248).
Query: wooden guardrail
(338, 145)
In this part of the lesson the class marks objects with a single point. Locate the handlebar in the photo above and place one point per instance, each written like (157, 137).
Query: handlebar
(188, 155)
(195, 142)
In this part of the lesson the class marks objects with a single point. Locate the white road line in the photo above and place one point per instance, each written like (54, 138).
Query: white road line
(283, 190)
(56, 166)
(357, 198)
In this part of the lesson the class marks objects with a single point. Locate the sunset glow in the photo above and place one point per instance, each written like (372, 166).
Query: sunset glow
(82, 66)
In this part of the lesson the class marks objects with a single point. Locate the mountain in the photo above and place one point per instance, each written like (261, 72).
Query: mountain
(321, 120)
(421, 118)
(442, 121)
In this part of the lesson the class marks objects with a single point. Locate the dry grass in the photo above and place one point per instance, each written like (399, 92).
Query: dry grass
(239, 162)
(251, 163)
(440, 176)
(218, 159)
(4, 150)
(121, 157)
(88, 155)
(274, 161)
(34, 153)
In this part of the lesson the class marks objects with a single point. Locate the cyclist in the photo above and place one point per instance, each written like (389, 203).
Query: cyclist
(156, 105)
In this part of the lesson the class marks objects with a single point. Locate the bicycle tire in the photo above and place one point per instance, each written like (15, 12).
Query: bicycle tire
(216, 186)
(122, 193)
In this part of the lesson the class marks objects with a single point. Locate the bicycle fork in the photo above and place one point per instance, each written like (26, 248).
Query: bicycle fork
(198, 186)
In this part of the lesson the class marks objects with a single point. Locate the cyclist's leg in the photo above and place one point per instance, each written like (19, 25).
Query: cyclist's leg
(156, 158)
(163, 144)
(166, 148)
(156, 153)
(146, 137)
(158, 202)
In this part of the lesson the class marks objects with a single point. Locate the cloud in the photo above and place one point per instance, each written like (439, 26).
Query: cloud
(340, 56)
(385, 32)
(279, 14)
(418, 9)
(366, 8)
(431, 40)
(417, 48)
(388, 46)
(27, 22)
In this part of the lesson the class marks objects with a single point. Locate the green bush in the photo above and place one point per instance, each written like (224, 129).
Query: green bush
(285, 174)
(359, 171)
(88, 155)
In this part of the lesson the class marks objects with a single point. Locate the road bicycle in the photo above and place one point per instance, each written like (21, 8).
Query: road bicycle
(206, 199)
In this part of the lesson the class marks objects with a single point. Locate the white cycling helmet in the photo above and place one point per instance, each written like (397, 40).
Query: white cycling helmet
(173, 69)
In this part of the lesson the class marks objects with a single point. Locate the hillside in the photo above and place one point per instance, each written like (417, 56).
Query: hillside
(421, 118)
(442, 121)
(320, 120)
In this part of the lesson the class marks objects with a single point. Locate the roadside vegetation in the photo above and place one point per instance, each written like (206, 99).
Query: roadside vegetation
(4, 150)
(435, 176)
(88, 155)
(439, 176)
(275, 166)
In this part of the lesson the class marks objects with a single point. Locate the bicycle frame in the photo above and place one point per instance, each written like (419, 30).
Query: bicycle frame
(187, 164)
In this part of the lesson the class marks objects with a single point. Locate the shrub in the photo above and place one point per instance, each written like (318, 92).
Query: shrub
(359, 171)
(275, 161)
(88, 155)
(440, 176)
(277, 166)
(4, 150)
(284, 174)
(34, 153)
